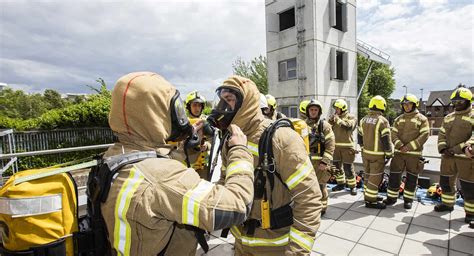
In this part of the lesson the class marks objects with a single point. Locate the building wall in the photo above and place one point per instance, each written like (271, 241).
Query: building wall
(320, 37)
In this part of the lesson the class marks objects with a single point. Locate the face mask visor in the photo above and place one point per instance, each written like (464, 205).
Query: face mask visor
(226, 104)
(181, 128)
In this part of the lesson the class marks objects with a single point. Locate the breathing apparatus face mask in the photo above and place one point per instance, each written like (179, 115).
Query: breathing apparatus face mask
(181, 128)
(226, 104)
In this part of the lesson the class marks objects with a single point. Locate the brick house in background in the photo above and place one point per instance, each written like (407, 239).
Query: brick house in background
(439, 105)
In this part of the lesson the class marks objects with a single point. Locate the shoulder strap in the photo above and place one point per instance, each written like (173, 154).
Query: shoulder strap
(265, 150)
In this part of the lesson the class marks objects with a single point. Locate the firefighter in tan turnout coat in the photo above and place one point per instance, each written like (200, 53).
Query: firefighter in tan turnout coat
(454, 142)
(343, 125)
(409, 132)
(151, 201)
(294, 203)
(321, 144)
(374, 139)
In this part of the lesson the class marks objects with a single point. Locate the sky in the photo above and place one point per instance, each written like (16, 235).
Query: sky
(66, 45)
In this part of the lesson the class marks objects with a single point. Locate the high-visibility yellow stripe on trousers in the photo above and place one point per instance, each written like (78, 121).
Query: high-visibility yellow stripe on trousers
(122, 230)
(191, 201)
(469, 207)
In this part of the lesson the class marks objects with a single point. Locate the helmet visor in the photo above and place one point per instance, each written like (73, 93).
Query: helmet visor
(227, 100)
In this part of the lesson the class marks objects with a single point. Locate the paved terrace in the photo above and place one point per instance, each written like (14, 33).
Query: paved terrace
(348, 228)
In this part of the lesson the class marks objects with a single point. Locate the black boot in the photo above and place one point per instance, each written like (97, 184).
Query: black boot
(379, 198)
(407, 204)
(469, 218)
(338, 187)
(471, 225)
(443, 208)
(390, 201)
(375, 205)
(353, 191)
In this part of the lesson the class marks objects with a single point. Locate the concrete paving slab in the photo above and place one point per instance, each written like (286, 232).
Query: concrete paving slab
(359, 206)
(331, 245)
(357, 218)
(430, 221)
(389, 226)
(334, 212)
(346, 231)
(382, 241)
(428, 235)
(458, 227)
(325, 224)
(397, 214)
(411, 247)
(462, 243)
(360, 249)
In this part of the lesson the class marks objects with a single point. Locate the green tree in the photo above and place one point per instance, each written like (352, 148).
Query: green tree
(380, 82)
(255, 70)
(53, 99)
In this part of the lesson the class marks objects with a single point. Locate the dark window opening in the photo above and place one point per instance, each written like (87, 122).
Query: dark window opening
(287, 19)
(339, 17)
(339, 65)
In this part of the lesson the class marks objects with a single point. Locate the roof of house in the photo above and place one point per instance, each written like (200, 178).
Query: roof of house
(442, 96)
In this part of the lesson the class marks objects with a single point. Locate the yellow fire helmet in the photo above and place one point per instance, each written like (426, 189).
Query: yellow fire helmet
(378, 102)
(462, 93)
(340, 103)
(271, 101)
(410, 98)
(194, 96)
(303, 106)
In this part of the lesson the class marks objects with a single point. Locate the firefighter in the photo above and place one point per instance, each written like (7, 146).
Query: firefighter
(198, 155)
(302, 109)
(151, 201)
(195, 104)
(273, 114)
(264, 106)
(454, 144)
(321, 146)
(343, 124)
(293, 197)
(409, 133)
(374, 140)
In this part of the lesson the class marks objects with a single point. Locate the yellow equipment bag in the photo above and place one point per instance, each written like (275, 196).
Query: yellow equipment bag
(38, 213)
(302, 129)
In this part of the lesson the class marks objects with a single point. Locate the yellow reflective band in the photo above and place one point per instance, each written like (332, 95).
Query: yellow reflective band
(122, 230)
(253, 241)
(461, 155)
(329, 135)
(413, 144)
(386, 130)
(467, 118)
(448, 119)
(392, 193)
(253, 148)
(469, 206)
(408, 192)
(370, 191)
(191, 201)
(300, 174)
(414, 120)
(370, 195)
(327, 155)
(398, 142)
(442, 143)
(425, 129)
(370, 152)
(402, 121)
(417, 153)
(301, 239)
(338, 121)
(442, 130)
(447, 196)
(316, 157)
(344, 144)
(394, 129)
(239, 167)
